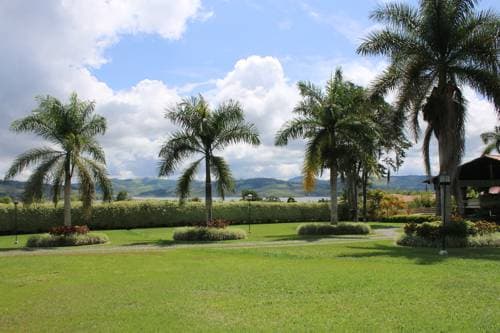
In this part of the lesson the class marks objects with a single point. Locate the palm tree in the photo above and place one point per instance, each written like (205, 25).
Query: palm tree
(435, 50)
(71, 129)
(328, 121)
(491, 140)
(204, 132)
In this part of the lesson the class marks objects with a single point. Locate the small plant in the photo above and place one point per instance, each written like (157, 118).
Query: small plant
(218, 223)
(69, 230)
(485, 227)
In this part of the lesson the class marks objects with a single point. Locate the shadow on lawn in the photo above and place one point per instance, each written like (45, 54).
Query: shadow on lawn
(312, 238)
(422, 256)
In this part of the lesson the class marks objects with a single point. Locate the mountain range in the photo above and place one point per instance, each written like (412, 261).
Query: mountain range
(155, 187)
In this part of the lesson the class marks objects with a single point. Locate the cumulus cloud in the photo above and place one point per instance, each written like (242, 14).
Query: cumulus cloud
(49, 46)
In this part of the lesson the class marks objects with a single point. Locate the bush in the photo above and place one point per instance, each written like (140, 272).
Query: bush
(5, 200)
(48, 240)
(413, 218)
(490, 240)
(68, 230)
(122, 196)
(343, 228)
(485, 227)
(207, 234)
(155, 213)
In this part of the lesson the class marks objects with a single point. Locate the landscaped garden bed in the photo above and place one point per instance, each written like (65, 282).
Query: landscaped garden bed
(342, 228)
(67, 236)
(459, 233)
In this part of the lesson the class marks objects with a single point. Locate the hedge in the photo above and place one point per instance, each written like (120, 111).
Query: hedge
(48, 240)
(155, 213)
(413, 218)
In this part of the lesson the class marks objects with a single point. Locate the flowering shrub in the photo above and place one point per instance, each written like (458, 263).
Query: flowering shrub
(69, 230)
(204, 234)
(218, 223)
(485, 227)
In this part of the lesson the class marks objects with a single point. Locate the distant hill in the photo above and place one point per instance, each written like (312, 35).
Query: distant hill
(154, 187)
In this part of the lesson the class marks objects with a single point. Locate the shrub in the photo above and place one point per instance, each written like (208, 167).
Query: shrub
(490, 240)
(68, 230)
(410, 228)
(122, 196)
(343, 228)
(429, 230)
(485, 227)
(207, 234)
(217, 223)
(414, 218)
(291, 199)
(5, 200)
(48, 240)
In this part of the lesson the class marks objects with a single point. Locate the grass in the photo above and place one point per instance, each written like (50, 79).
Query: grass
(163, 236)
(368, 286)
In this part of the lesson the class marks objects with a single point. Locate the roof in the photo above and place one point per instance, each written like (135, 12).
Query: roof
(481, 168)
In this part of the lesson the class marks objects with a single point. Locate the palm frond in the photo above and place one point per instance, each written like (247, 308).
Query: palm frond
(222, 172)
(184, 182)
(29, 158)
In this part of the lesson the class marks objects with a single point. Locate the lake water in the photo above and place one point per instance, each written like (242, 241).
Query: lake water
(284, 199)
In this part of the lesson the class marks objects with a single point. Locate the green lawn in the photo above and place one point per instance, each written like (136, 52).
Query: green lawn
(361, 286)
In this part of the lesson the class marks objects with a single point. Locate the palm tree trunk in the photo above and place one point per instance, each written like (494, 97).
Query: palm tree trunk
(208, 190)
(364, 193)
(67, 195)
(333, 195)
(355, 200)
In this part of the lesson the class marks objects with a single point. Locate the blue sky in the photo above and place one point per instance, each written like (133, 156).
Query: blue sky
(137, 57)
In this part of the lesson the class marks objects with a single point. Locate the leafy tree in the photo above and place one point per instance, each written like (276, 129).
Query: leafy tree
(71, 129)
(328, 121)
(204, 132)
(245, 195)
(491, 140)
(122, 196)
(5, 200)
(435, 50)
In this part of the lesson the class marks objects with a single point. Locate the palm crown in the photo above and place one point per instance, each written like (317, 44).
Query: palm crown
(330, 123)
(204, 132)
(435, 49)
(71, 129)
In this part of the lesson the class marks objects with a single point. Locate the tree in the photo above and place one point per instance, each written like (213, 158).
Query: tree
(327, 120)
(71, 128)
(245, 195)
(491, 140)
(204, 132)
(435, 50)
(122, 196)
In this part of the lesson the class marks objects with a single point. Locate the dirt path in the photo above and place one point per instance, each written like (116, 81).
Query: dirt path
(380, 234)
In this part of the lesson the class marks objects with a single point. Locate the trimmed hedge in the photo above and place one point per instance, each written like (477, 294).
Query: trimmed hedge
(343, 228)
(48, 240)
(207, 234)
(156, 213)
(413, 218)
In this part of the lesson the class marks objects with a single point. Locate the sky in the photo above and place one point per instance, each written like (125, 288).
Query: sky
(135, 58)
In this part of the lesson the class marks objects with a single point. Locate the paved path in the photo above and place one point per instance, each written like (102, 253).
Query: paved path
(380, 234)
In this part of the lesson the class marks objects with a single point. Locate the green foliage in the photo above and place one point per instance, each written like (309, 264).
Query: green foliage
(272, 198)
(489, 240)
(122, 196)
(342, 228)
(425, 199)
(155, 213)
(291, 199)
(5, 200)
(203, 132)
(246, 193)
(207, 234)
(48, 240)
(72, 128)
(414, 218)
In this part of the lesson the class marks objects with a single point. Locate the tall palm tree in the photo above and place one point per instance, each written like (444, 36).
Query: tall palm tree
(71, 129)
(435, 50)
(492, 141)
(204, 132)
(328, 121)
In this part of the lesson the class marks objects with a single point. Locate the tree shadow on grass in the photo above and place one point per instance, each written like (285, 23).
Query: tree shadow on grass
(422, 256)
